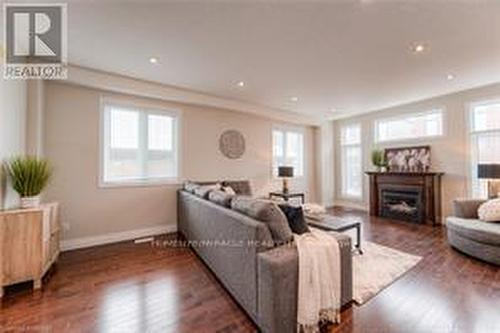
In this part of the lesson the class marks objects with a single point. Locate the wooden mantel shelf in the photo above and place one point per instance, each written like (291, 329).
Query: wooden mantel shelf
(413, 174)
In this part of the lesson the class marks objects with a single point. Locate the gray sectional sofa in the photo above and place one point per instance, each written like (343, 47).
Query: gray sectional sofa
(261, 276)
(469, 235)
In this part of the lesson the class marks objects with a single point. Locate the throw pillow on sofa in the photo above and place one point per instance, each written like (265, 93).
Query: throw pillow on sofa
(267, 212)
(295, 217)
(490, 211)
(220, 197)
(240, 187)
(203, 190)
(228, 190)
(190, 186)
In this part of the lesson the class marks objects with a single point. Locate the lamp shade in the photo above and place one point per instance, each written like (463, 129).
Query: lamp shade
(285, 171)
(488, 171)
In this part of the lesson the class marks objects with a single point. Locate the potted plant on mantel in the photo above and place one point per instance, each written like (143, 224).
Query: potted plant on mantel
(29, 176)
(378, 160)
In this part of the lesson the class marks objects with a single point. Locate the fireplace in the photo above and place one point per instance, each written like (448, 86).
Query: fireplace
(406, 196)
(401, 203)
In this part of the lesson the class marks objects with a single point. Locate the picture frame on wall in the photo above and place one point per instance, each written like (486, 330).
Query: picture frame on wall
(408, 159)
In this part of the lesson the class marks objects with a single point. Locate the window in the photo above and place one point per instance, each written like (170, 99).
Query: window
(352, 181)
(288, 150)
(139, 145)
(485, 140)
(413, 126)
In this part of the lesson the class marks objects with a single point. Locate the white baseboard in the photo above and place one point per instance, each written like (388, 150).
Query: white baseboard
(350, 204)
(83, 242)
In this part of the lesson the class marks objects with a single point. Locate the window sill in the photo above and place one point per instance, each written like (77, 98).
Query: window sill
(291, 179)
(413, 139)
(139, 183)
(349, 197)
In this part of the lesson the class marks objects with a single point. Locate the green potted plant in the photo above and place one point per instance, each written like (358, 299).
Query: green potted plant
(378, 159)
(29, 176)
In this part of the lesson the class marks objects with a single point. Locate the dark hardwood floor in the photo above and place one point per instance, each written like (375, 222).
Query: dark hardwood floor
(446, 292)
(130, 287)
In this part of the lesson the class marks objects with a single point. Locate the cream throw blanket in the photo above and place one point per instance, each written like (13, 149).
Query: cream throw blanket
(319, 280)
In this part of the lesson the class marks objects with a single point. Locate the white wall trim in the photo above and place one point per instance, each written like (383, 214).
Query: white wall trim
(126, 85)
(115, 237)
(141, 108)
(350, 204)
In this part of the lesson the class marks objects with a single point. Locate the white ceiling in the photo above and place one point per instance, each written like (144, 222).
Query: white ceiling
(354, 56)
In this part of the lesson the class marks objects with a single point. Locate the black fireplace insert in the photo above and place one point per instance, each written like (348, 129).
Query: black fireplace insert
(401, 203)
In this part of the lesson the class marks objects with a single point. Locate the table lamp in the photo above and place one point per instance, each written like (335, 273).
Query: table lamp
(492, 173)
(285, 172)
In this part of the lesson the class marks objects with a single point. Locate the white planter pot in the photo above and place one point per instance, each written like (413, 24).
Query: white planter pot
(30, 202)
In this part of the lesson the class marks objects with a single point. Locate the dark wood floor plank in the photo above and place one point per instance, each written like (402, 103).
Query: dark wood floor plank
(130, 287)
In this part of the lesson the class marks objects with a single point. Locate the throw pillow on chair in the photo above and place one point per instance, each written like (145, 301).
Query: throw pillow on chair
(490, 211)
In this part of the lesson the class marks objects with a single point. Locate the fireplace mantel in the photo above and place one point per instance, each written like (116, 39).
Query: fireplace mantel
(411, 174)
(427, 183)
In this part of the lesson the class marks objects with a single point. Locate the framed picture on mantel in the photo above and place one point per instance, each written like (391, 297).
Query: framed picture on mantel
(408, 159)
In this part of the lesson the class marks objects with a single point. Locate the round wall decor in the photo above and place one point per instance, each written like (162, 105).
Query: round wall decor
(232, 144)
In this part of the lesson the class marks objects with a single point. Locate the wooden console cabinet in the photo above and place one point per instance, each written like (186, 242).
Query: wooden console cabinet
(29, 244)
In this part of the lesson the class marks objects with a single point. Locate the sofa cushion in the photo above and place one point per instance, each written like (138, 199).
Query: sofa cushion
(467, 208)
(267, 212)
(240, 187)
(490, 211)
(295, 217)
(477, 230)
(203, 190)
(220, 197)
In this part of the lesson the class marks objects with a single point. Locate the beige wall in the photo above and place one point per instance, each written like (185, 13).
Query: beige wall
(450, 153)
(12, 131)
(71, 143)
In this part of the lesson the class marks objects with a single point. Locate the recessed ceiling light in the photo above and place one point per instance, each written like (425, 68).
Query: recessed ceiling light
(450, 77)
(333, 110)
(153, 60)
(294, 99)
(418, 48)
(240, 84)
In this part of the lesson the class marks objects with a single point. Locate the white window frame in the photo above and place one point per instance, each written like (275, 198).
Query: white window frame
(285, 130)
(343, 162)
(149, 109)
(472, 137)
(439, 110)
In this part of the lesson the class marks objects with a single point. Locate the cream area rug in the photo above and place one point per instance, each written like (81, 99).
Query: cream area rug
(377, 268)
